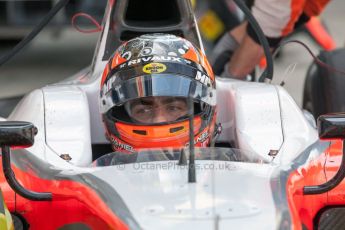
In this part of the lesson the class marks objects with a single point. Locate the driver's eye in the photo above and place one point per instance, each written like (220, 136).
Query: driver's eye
(174, 108)
(177, 107)
(141, 110)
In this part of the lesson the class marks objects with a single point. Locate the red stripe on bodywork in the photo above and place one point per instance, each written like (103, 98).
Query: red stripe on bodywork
(337, 195)
(73, 202)
(303, 208)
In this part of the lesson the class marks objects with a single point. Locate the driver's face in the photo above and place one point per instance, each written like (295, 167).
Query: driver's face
(157, 109)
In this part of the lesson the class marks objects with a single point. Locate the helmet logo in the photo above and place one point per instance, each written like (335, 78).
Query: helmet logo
(121, 146)
(154, 68)
(204, 79)
(202, 139)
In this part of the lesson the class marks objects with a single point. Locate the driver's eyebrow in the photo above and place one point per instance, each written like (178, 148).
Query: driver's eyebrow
(151, 101)
(172, 99)
(142, 101)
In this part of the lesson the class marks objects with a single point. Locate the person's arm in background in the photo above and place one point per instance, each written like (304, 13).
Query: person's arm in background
(244, 59)
(277, 19)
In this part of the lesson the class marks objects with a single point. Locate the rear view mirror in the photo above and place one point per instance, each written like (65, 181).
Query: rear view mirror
(331, 126)
(17, 134)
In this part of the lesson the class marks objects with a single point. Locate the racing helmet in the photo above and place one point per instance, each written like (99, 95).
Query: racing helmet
(148, 87)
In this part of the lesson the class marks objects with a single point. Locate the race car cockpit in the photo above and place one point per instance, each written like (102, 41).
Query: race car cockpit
(263, 165)
(255, 117)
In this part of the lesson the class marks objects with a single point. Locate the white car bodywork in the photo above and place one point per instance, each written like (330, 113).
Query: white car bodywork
(167, 201)
(255, 116)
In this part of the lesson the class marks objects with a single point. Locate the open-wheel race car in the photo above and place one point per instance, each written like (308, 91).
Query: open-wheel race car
(269, 168)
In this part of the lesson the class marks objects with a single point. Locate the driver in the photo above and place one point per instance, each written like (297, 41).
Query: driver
(148, 88)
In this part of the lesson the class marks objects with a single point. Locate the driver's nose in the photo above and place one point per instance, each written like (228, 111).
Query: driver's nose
(160, 116)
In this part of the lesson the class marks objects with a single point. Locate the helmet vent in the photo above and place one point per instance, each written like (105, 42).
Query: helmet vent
(140, 132)
(175, 129)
